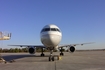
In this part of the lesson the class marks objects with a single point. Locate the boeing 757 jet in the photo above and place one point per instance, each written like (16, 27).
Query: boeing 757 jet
(50, 37)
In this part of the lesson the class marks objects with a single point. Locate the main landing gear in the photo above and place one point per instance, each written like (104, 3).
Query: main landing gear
(61, 54)
(42, 54)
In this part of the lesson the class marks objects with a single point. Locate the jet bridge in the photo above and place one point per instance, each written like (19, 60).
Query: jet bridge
(5, 36)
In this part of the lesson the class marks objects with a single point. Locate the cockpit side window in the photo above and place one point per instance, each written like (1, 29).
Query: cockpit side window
(47, 29)
(58, 30)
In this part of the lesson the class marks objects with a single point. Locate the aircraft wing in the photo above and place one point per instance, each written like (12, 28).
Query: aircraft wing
(40, 46)
(68, 45)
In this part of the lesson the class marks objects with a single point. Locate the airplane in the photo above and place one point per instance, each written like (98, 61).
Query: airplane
(5, 36)
(50, 37)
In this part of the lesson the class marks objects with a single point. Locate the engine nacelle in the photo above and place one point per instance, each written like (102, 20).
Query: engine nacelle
(31, 50)
(72, 48)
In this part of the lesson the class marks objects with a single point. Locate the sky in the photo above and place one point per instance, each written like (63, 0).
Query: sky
(79, 20)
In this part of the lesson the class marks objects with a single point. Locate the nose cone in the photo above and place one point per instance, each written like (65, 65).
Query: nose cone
(51, 40)
(51, 35)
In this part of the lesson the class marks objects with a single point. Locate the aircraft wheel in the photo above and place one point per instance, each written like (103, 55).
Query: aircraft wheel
(57, 57)
(49, 58)
(53, 58)
(61, 54)
(42, 55)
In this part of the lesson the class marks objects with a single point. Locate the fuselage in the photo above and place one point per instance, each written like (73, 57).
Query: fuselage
(50, 36)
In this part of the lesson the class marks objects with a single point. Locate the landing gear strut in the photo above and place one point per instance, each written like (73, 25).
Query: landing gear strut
(42, 54)
(61, 54)
(51, 57)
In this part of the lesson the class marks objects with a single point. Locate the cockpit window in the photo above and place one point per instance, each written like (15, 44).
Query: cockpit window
(53, 29)
(58, 30)
(50, 29)
(47, 29)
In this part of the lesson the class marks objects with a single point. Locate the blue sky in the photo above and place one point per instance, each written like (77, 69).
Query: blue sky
(79, 20)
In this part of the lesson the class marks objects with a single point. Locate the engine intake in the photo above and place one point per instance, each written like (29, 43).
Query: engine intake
(31, 50)
(72, 48)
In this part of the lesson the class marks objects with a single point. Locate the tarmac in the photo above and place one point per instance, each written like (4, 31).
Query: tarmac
(79, 60)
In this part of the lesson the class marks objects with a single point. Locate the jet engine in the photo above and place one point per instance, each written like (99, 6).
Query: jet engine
(31, 50)
(72, 48)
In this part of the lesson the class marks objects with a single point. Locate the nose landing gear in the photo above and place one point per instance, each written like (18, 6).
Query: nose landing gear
(61, 54)
(42, 54)
(52, 57)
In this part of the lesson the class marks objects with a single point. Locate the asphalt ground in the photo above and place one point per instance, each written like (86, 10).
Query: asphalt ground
(79, 60)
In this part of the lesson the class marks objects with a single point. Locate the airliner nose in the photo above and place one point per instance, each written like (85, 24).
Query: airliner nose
(51, 40)
(51, 35)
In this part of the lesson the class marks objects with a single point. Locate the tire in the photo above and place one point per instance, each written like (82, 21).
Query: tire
(52, 58)
(43, 55)
(40, 54)
(49, 58)
(62, 54)
(57, 57)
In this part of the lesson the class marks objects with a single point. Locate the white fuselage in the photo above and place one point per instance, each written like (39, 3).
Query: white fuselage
(51, 36)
